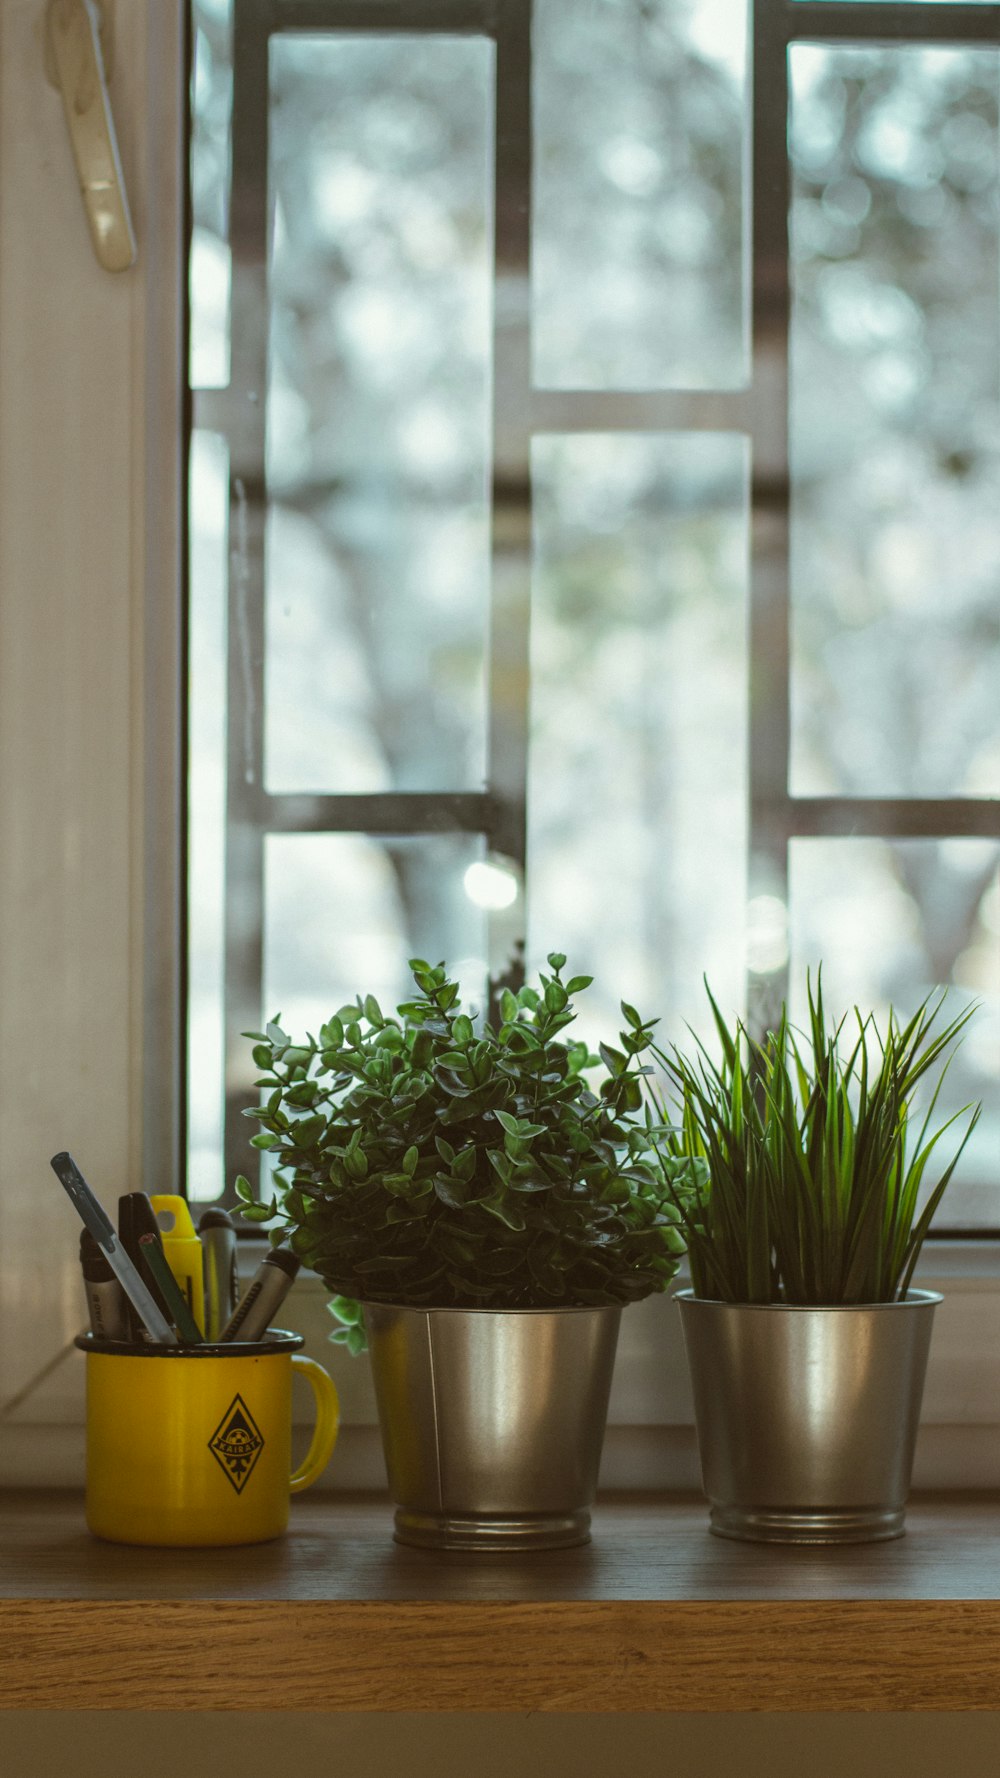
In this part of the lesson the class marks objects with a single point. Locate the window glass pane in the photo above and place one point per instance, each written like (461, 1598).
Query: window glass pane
(345, 912)
(378, 412)
(208, 520)
(210, 264)
(638, 199)
(895, 425)
(637, 790)
(890, 922)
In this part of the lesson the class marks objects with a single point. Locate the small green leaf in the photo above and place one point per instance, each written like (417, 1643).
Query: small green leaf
(243, 1188)
(556, 960)
(451, 1192)
(373, 1012)
(345, 1310)
(410, 1159)
(510, 1214)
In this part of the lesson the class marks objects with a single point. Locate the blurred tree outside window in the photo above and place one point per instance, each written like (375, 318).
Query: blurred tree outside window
(400, 503)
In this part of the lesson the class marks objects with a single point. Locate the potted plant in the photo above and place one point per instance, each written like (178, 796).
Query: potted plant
(481, 1212)
(804, 1208)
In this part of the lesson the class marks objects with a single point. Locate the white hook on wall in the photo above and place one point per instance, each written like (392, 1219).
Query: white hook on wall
(77, 61)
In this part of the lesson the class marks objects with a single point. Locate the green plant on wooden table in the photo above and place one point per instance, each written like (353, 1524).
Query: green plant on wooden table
(805, 1174)
(428, 1161)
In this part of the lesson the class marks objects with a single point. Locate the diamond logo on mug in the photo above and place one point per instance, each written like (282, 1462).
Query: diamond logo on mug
(236, 1443)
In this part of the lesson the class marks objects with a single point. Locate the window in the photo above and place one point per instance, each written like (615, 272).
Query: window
(593, 514)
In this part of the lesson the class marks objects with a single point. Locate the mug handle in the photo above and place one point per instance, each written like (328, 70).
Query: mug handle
(327, 1422)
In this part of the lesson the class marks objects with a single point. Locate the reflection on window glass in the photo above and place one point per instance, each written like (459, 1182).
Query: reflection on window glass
(892, 921)
(637, 792)
(345, 912)
(208, 525)
(638, 213)
(378, 412)
(210, 264)
(895, 422)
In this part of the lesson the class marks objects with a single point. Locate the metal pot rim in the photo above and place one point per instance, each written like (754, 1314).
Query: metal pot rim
(915, 1299)
(454, 1309)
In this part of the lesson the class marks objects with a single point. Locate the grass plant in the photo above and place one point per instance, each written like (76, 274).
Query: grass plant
(807, 1168)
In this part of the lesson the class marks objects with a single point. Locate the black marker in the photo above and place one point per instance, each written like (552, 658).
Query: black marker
(106, 1302)
(264, 1296)
(217, 1234)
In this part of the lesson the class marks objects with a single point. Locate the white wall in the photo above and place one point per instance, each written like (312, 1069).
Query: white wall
(89, 615)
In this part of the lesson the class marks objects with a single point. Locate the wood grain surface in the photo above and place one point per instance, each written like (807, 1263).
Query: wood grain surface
(654, 1615)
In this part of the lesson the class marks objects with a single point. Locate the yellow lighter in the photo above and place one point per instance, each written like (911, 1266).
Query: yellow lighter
(183, 1250)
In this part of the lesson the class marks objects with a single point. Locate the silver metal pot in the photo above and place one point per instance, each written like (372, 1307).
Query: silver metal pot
(492, 1421)
(807, 1417)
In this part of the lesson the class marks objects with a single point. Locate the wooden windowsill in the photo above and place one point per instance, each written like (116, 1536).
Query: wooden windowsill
(653, 1615)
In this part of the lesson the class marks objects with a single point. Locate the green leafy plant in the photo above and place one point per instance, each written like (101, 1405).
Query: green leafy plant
(429, 1161)
(804, 1174)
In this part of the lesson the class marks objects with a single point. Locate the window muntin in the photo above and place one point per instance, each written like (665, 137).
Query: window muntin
(778, 822)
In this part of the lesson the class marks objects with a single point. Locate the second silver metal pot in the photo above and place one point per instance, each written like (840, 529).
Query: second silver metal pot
(492, 1421)
(807, 1417)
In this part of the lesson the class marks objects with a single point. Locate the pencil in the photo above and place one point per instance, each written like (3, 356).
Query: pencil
(183, 1319)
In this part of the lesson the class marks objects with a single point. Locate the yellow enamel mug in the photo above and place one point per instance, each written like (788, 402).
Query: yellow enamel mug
(192, 1445)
